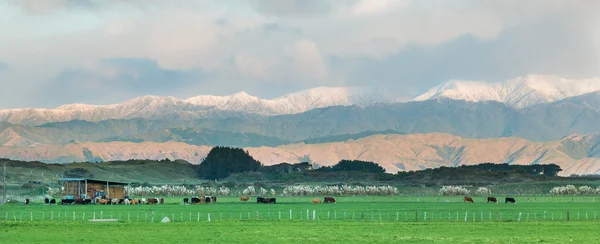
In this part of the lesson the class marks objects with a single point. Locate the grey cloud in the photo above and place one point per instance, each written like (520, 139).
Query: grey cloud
(4, 68)
(555, 46)
(116, 80)
(294, 7)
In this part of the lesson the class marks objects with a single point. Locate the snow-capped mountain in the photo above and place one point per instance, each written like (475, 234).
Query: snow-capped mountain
(519, 93)
(298, 102)
(155, 107)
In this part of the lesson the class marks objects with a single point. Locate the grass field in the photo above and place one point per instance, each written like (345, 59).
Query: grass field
(352, 219)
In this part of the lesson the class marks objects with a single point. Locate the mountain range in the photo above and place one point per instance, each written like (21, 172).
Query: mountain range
(519, 93)
(537, 110)
(576, 154)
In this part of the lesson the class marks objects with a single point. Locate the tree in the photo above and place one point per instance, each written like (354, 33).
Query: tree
(223, 161)
(354, 165)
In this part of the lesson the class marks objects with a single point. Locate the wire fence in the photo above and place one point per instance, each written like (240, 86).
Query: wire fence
(303, 215)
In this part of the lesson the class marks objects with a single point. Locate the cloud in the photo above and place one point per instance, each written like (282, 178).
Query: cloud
(4, 68)
(116, 80)
(223, 47)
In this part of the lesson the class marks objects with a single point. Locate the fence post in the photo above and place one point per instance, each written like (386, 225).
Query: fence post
(279, 215)
(290, 214)
(519, 220)
(31, 215)
(199, 216)
(208, 217)
(466, 215)
(396, 215)
(314, 215)
(307, 214)
(101, 213)
(83, 217)
(425, 216)
(73, 215)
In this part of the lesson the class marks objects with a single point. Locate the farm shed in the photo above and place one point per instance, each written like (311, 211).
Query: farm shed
(81, 188)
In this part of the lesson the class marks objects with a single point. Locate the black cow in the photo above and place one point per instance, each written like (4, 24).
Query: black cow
(27, 201)
(186, 201)
(510, 199)
(265, 200)
(195, 200)
(329, 200)
(46, 200)
(53, 201)
(87, 201)
(492, 199)
(67, 201)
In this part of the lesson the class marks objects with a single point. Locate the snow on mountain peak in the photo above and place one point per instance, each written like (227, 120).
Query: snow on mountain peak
(519, 93)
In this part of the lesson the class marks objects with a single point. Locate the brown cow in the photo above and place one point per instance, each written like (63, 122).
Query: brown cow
(244, 198)
(329, 200)
(492, 199)
(316, 200)
(152, 201)
(134, 201)
(468, 199)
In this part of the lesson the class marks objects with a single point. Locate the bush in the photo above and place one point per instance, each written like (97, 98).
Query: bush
(483, 191)
(453, 191)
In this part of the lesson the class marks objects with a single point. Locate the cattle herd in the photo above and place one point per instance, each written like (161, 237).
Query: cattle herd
(105, 201)
(207, 199)
(491, 199)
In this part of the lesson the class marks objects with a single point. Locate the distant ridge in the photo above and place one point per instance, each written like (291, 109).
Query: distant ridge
(519, 93)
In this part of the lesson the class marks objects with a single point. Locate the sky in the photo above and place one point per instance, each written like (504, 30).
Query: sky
(54, 52)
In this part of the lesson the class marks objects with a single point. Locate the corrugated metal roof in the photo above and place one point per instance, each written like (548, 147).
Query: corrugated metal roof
(96, 180)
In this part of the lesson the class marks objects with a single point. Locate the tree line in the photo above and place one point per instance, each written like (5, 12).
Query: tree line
(221, 162)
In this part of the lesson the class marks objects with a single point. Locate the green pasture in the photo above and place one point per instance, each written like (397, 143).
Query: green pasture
(367, 208)
(378, 219)
(299, 232)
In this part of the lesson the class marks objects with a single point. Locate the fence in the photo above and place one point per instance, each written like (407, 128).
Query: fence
(306, 215)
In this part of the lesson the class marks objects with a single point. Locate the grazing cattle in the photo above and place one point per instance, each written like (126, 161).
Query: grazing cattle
(186, 201)
(135, 201)
(329, 200)
(316, 200)
(46, 200)
(126, 201)
(265, 200)
(67, 201)
(161, 200)
(79, 201)
(114, 201)
(53, 201)
(87, 201)
(510, 199)
(195, 200)
(27, 201)
(213, 199)
(144, 201)
(152, 201)
(492, 199)
(244, 198)
(103, 201)
(468, 199)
